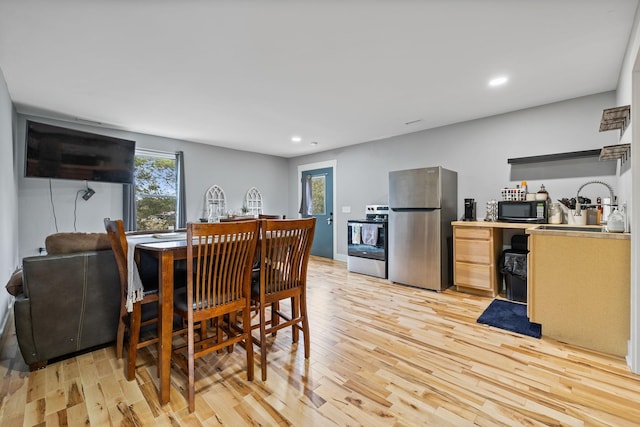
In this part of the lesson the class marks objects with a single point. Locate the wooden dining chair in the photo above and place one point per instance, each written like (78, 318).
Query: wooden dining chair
(130, 322)
(285, 246)
(219, 260)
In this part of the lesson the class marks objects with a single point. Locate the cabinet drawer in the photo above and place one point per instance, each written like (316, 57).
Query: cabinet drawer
(477, 251)
(473, 276)
(472, 233)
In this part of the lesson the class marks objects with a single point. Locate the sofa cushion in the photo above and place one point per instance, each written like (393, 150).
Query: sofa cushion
(14, 285)
(67, 243)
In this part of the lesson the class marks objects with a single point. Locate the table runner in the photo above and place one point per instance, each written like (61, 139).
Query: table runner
(135, 291)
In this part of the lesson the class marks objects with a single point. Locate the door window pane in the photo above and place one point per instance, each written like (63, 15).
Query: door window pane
(318, 195)
(155, 192)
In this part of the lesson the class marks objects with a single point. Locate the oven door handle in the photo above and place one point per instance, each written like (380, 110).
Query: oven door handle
(362, 223)
(377, 225)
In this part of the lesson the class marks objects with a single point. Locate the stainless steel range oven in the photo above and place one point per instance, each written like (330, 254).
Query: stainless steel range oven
(367, 242)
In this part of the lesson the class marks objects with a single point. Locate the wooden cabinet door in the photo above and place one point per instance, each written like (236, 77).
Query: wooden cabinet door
(472, 233)
(474, 276)
(475, 251)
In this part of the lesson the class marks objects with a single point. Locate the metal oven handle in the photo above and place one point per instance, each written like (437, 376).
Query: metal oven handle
(377, 225)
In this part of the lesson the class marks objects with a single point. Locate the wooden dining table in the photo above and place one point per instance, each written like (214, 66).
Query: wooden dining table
(166, 253)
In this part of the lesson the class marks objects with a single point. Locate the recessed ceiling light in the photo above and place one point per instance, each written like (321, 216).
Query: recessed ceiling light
(296, 139)
(498, 81)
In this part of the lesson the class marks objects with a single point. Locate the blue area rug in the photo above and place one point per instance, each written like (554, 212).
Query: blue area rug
(510, 316)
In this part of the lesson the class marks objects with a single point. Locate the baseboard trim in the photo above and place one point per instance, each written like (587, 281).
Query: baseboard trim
(341, 257)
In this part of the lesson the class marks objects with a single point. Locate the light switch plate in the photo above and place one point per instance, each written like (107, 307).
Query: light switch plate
(346, 209)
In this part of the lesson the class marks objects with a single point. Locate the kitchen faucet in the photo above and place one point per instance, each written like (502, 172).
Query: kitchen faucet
(577, 213)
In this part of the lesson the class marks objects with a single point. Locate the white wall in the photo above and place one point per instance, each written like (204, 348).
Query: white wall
(235, 171)
(8, 199)
(478, 150)
(624, 97)
(628, 94)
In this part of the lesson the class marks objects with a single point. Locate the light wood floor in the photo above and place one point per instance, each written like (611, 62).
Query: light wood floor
(381, 355)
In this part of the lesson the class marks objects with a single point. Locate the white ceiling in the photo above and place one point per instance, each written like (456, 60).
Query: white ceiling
(251, 74)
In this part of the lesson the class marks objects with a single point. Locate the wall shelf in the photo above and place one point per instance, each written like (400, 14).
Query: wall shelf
(554, 157)
(614, 152)
(616, 118)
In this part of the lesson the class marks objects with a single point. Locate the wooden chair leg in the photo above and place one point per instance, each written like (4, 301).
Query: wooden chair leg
(135, 320)
(248, 342)
(191, 368)
(305, 325)
(275, 319)
(202, 329)
(295, 312)
(263, 342)
(121, 328)
(233, 319)
(217, 324)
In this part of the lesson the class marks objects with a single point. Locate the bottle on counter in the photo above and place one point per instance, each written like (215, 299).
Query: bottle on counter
(615, 222)
(555, 213)
(542, 194)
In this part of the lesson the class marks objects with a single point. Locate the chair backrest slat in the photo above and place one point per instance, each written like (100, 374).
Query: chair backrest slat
(285, 249)
(219, 262)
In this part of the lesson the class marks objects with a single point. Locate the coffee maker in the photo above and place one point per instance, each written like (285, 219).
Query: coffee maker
(469, 210)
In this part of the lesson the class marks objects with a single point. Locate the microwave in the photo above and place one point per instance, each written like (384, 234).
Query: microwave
(534, 211)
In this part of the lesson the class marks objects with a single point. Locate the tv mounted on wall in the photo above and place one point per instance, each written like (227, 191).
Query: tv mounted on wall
(62, 153)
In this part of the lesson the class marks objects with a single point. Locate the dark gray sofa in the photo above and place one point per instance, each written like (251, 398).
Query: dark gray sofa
(70, 302)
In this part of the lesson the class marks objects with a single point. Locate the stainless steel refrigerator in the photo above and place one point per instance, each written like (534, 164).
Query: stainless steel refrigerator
(422, 204)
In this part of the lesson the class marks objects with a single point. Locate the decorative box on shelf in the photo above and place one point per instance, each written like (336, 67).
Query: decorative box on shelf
(513, 194)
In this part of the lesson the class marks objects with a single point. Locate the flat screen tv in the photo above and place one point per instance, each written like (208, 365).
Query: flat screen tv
(57, 152)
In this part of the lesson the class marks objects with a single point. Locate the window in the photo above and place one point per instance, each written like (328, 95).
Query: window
(318, 196)
(155, 190)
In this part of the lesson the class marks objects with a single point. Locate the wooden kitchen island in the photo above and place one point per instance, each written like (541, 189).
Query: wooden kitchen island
(579, 287)
(578, 281)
